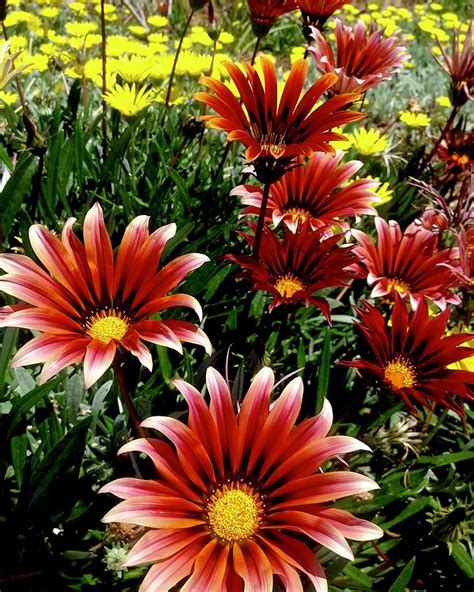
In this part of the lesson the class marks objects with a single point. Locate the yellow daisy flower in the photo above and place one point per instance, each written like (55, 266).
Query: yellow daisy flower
(129, 100)
(368, 141)
(414, 119)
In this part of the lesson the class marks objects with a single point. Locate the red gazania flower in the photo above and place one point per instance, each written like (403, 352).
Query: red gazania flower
(231, 505)
(89, 305)
(302, 264)
(275, 131)
(316, 12)
(364, 57)
(313, 192)
(460, 67)
(408, 264)
(411, 355)
(264, 12)
(457, 151)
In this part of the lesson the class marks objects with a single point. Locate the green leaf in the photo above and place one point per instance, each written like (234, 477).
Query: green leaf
(446, 459)
(400, 584)
(23, 404)
(19, 447)
(463, 559)
(413, 508)
(358, 576)
(17, 188)
(59, 467)
(74, 393)
(324, 370)
(9, 341)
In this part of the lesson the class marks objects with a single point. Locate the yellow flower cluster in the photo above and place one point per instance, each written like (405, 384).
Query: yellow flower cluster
(53, 35)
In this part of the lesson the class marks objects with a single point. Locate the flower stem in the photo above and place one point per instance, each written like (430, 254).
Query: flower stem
(255, 51)
(434, 431)
(104, 78)
(261, 220)
(176, 56)
(446, 129)
(124, 391)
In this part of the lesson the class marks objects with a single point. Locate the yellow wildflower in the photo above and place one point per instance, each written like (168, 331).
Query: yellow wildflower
(7, 98)
(157, 21)
(131, 69)
(129, 100)
(444, 102)
(81, 29)
(414, 119)
(368, 141)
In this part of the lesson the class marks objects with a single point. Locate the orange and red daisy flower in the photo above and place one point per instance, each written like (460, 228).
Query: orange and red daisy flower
(302, 264)
(411, 355)
(231, 505)
(408, 264)
(364, 57)
(88, 305)
(318, 191)
(276, 131)
(264, 12)
(316, 12)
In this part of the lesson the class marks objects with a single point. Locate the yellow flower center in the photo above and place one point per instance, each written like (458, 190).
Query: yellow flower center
(234, 512)
(460, 158)
(400, 373)
(296, 213)
(398, 285)
(273, 143)
(288, 284)
(107, 325)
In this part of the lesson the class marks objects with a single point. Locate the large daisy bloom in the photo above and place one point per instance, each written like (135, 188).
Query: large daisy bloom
(88, 304)
(294, 269)
(408, 264)
(411, 354)
(363, 59)
(319, 191)
(232, 506)
(276, 129)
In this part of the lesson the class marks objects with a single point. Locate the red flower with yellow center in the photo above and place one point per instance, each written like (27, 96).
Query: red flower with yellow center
(264, 12)
(275, 131)
(412, 355)
(318, 191)
(408, 264)
(232, 506)
(90, 305)
(302, 264)
(364, 57)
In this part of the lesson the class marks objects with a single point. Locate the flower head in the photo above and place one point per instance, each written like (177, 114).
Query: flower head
(232, 506)
(411, 355)
(88, 306)
(319, 191)
(408, 264)
(413, 119)
(368, 141)
(7, 69)
(457, 150)
(129, 100)
(294, 269)
(460, 67)
(364, 57)
(316, 12)
(273, 130)
(264, 12)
